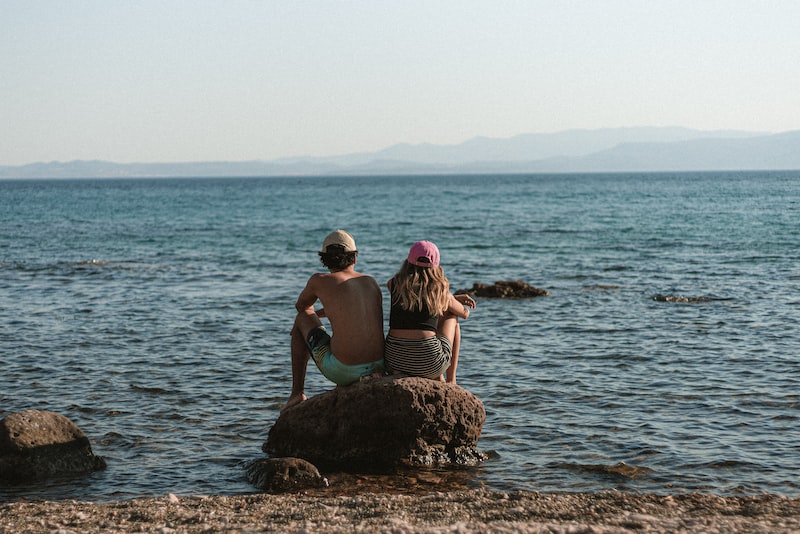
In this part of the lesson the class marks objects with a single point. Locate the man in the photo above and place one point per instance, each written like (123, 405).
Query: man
(352, 302)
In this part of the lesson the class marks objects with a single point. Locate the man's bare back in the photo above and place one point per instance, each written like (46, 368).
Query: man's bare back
(352, 303)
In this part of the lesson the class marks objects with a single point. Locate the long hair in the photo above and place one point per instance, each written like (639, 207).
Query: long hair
(417, 288)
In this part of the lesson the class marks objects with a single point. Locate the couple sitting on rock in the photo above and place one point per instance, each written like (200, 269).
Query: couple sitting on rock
(424, 334)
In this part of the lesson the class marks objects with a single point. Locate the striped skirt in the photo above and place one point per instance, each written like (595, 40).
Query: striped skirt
(428, 358)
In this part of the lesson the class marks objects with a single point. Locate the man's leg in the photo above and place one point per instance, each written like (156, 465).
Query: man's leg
(304, 323)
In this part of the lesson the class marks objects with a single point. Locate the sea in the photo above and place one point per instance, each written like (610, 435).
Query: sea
(155, 314)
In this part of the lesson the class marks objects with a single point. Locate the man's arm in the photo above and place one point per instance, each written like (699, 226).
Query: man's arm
(308, 296)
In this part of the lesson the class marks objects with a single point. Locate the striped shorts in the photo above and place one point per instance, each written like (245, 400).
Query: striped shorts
(428, 358)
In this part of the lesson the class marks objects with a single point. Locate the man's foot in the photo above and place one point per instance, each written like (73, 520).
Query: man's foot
(294, 400)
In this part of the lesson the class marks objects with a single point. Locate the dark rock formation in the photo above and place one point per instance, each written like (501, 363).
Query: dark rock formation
(509, 289)
(382, 423)
(36, 445)
(284, 474)
(678, 298)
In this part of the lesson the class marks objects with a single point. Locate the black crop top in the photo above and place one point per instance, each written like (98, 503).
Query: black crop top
(401, 319)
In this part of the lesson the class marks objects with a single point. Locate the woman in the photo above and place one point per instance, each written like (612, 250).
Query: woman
(424, 335)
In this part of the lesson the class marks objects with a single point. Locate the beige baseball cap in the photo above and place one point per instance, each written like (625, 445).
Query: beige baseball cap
(341, 238)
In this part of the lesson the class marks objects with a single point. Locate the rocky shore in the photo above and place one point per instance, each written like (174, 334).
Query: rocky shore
(462, 511)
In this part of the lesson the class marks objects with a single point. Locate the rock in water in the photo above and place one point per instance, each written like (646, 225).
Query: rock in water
(505, 289)
(382, 423)
(284, 474)
(35, 445)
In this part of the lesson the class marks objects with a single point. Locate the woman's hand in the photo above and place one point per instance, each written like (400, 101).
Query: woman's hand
(466, 302)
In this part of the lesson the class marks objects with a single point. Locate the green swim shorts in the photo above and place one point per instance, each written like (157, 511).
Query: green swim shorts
(319, 343)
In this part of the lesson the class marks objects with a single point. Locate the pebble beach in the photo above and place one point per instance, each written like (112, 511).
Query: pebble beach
(436, 512)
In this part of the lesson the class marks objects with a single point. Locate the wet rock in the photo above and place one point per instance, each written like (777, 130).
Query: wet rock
(284, 474)
(381, 423)
(36, 445)
(509, 289)
(679, 298)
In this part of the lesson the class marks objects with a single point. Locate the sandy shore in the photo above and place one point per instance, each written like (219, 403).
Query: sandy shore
(462, 511)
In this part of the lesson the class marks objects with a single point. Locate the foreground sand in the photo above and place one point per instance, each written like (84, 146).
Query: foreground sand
(461, 511)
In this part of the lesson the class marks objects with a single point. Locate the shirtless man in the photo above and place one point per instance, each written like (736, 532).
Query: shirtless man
(352, 302)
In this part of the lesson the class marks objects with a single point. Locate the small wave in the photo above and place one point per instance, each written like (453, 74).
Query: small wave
(120, 441)
(144, 389)
(602, 287)
(84, 409)
(82, 266)
(723, 465)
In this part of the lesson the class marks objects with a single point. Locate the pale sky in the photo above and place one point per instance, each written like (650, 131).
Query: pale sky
(235, 80)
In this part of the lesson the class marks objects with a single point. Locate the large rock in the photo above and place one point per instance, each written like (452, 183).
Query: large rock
(35, 445)
(381, 423)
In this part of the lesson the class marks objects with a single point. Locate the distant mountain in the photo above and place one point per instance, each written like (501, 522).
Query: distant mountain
(760, 152)
(534, 146)
(603, 150)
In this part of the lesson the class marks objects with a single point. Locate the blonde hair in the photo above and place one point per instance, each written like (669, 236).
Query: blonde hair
(417, 288)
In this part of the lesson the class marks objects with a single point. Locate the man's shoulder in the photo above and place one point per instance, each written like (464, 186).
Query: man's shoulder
(340, 276)
(365, 277)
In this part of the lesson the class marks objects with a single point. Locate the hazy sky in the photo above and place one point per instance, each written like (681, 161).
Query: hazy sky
(164, 81)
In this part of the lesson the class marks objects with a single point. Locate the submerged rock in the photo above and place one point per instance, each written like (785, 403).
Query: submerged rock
(509, 289)
(36, 445)
(381, 423)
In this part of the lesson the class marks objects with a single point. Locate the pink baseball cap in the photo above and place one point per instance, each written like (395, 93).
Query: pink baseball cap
(423, 254)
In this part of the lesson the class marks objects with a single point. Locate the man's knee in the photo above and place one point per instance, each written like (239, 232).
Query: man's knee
(304, 323)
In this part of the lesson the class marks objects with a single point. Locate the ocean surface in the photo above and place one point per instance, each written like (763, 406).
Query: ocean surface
(155, 313)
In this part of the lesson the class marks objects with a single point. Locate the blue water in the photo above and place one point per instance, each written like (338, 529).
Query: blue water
(155, 314)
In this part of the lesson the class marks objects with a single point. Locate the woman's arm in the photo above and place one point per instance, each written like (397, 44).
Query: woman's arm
(460, 305)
